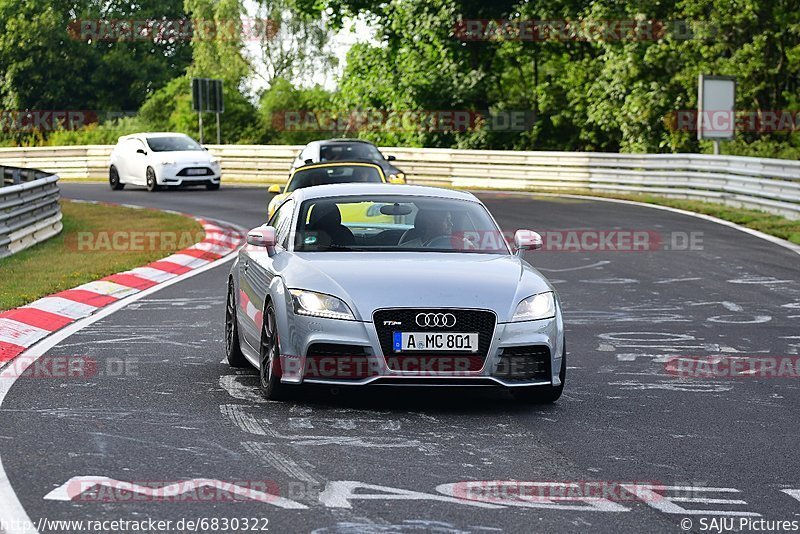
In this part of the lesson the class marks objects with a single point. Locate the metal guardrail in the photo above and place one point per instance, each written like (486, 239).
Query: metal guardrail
(771, 185)
(29, 209)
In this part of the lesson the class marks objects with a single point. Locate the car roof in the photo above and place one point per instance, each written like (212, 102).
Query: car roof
(338, 163)
(342, 140)
(360, 188)
(152, 134)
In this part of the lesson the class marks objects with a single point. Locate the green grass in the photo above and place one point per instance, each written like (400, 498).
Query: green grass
(81, 253)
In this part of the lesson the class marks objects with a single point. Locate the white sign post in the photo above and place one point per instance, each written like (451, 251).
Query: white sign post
(716, 99)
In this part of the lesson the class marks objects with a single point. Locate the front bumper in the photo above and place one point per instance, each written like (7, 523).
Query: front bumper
(178, 175)
(334, 352)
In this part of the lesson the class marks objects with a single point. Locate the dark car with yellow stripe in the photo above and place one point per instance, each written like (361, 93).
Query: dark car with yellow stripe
(328, 173)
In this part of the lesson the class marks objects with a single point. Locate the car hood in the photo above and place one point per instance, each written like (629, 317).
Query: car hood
(369, 281)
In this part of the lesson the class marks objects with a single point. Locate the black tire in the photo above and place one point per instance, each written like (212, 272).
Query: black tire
(269, 368)
(152, 183)
(233, 350)
(212, 187)
(543, 394)
(113, 179)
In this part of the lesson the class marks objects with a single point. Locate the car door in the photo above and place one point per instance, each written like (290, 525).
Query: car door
(138, 162)
(121, 159)
(257, 271)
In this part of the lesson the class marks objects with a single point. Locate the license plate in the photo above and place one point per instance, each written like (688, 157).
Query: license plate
(195, 172)
(439, 341)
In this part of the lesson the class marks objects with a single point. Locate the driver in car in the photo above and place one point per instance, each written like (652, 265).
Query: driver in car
(428, 225)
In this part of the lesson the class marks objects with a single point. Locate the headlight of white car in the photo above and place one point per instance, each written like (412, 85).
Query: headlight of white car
(214, 162)
(320, 305)
(535, 307)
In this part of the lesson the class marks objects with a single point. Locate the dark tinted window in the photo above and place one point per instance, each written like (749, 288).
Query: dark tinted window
(339, 174)
(172, 144)
(349, 151)
(397, 224)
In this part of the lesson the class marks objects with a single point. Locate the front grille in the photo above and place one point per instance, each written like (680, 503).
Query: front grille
(332, 361)
(529, 362)
(206, 172)
(480, 321)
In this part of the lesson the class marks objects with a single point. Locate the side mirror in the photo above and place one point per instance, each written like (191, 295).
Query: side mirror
(527, 240)
(263, 236)
(205, 148)
(275, 188)
(309, 161)
(391, 158)
(141, 151)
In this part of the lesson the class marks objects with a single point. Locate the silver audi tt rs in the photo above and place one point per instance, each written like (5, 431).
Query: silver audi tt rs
(374, 284)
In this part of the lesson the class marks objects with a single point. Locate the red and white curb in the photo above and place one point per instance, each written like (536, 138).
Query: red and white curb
(20, 328)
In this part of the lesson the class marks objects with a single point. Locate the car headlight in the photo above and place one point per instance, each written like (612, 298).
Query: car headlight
(320, 305)
(535, 307)
(214, 162)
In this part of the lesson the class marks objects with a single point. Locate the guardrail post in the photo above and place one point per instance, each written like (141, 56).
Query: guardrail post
(16, 176)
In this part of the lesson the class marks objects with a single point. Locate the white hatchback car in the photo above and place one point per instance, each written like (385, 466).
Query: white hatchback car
(162, 159)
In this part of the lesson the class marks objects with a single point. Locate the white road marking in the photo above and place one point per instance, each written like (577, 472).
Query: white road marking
(793, 493)
(730, 306)
(759, 280)
(673, 280)
(339, 493)
(666, 504)
(735, 319)
(611, 281)
(75, 486)
(521, 494)
(693, 387)
(654, 358)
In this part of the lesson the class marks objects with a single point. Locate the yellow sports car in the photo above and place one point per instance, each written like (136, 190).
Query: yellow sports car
(327, 173)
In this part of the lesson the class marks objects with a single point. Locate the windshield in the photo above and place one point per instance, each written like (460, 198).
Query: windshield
(172, 144)
(397, 224)
(339, 174)
(349, 151)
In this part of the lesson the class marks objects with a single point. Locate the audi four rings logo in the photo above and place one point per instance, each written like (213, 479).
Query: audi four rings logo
(436, 319)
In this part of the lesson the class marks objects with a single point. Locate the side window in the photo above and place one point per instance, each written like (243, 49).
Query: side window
(282, 222)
